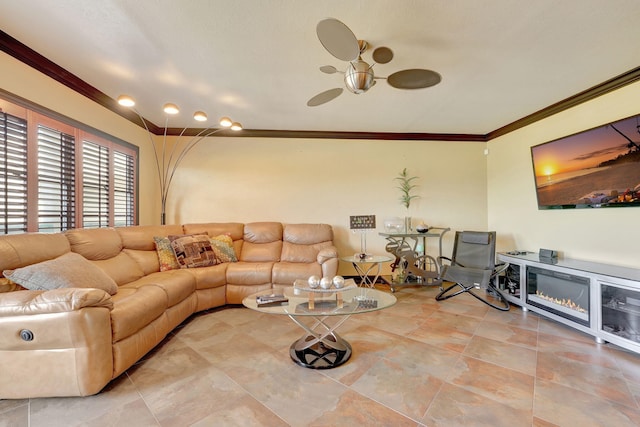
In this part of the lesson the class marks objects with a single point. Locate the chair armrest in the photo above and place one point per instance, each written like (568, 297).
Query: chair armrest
(327, 254)
(19, 303)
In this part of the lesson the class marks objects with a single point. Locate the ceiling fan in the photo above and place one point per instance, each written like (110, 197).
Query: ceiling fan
(340, 42)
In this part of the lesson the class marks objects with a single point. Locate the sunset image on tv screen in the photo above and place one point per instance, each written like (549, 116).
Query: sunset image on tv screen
(596, 168)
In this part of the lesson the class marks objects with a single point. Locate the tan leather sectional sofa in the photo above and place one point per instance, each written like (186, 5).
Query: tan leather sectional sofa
(73, 341)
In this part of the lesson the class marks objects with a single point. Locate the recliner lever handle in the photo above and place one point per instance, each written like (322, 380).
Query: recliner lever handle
(26, 335)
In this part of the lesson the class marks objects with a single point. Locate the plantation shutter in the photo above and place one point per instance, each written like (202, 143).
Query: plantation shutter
(95, 185)
(56, 180)
(123, 187)
(48, 183)
(13, 174)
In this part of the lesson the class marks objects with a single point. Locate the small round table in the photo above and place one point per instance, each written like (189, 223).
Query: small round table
(364, 266)
(320, 313)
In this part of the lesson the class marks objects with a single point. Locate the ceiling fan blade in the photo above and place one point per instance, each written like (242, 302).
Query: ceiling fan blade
(382, 55)
(338, 39)
(414, 78)
(324, 97)
(328, 69)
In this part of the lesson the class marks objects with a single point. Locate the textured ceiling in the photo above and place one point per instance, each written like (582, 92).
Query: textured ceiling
(258, 61)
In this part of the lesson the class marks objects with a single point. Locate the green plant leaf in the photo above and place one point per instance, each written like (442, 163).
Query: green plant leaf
(406, 187)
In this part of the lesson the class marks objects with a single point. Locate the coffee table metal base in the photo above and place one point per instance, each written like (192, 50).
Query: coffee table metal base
(329, 353)
(320, 347)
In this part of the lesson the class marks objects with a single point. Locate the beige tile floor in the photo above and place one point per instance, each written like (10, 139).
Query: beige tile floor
(420, 362)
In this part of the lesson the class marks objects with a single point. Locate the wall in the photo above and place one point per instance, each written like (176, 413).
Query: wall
(21, 80)
(313, 180)
(602, 235)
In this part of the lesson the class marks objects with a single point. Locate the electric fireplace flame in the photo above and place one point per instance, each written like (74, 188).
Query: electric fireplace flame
(566, 303)
(566, 306)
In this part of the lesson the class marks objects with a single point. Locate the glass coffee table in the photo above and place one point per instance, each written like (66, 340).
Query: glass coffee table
(320, 312)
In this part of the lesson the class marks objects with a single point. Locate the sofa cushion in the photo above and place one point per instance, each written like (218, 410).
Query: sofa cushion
(67, 271)
(292, 252)
(307, 234)
(134, 308)
(146, 260)
(177, 284)
(121, 268)
(209, 277)
(95, 243)
(233, 229)
(263, 232)
(140, 237)
(249, 273)
(193, 251)
(285, 273)
(18, 250)
(262, 242)
(303, 242)
(139, 244)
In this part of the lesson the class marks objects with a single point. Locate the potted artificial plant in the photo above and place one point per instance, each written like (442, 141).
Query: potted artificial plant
(406, 187)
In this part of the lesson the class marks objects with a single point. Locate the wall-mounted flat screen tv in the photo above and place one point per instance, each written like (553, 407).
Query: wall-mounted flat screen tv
(596, 168)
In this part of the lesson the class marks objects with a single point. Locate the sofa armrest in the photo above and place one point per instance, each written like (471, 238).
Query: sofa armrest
(19, 303)
(56, 343)
(328, 260)
(327, 254)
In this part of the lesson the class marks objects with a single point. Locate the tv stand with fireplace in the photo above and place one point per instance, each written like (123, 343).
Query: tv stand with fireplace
(601, 300)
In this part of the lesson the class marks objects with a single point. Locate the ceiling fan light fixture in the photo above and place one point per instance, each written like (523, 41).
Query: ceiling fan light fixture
(170, 108)
(200, 116)
(359, 77)
(126, 101)
(340, 42)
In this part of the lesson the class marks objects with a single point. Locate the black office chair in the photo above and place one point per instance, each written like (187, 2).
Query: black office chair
(473, 267)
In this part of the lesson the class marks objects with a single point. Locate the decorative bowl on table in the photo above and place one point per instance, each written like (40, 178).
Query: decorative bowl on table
(302, 285)
(422, 228)
(393, 225)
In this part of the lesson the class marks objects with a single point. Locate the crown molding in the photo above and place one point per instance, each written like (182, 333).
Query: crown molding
(387, 136)
(33, 59)
(610, 85)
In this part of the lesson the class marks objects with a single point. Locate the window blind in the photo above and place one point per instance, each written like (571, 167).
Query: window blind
(124, 189)
(95, 185)
(56, 180)
(48, 183)
(13, 174)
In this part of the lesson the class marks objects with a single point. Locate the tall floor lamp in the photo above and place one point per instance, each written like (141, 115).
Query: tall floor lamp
(167, 163)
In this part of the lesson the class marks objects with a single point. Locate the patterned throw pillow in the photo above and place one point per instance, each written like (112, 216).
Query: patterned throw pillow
(193, 251)
(166, 257)
(7, 285)
(223, 247)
